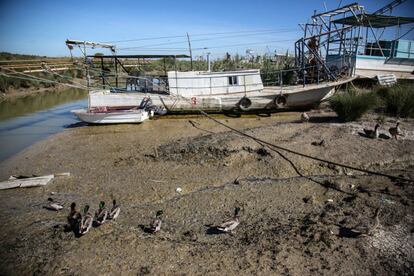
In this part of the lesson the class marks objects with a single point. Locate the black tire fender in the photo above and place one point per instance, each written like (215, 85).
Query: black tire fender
(280, 101)
(244, 103)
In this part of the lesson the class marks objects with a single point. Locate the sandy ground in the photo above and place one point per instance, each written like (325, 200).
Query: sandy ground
(290, 224)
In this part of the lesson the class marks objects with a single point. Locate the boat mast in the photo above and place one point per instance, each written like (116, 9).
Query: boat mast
(70, 43)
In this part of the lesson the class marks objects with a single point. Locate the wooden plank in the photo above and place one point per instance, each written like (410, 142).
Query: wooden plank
(26, 182)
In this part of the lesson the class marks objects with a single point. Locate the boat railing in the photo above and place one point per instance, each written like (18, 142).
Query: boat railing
(156, 83)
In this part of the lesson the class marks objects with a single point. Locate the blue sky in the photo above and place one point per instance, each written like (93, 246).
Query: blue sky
(41, 27)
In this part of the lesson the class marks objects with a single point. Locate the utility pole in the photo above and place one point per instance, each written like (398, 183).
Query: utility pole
(191, 53)
(208, 62)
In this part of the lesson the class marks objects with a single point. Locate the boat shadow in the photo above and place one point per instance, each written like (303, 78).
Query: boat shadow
(76, 125)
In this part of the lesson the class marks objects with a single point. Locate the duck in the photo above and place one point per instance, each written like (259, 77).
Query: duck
(101, 214)
(53, 205)
(230, 224)
(74, 218)
(156, 223)
(373, 134)
(365, 228)
(395, 131)
(304, 117)
(116, 209)
(86, 222)
(321, 143)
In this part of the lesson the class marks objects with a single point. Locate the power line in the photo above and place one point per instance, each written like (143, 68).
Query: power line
(203, 39)
(207, 48)
(200, 34)
(245, 44)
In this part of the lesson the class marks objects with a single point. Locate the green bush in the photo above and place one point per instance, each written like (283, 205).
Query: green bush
(351, 105)
(3, 84)
(398, 100)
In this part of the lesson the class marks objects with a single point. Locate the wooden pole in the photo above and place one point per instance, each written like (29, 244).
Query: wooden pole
(116, 72)
(102, 72)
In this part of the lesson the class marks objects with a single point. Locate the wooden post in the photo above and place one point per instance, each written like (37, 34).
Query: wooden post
(165, 67)
(303, 62)
(102, 72)
(116, 72)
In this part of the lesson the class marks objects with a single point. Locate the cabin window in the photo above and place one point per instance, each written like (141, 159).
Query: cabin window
(233, 80)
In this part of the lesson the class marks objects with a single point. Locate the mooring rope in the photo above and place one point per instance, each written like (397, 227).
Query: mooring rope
(33, 78)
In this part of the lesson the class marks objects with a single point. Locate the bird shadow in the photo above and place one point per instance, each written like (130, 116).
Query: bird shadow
(381, 136)
(67, 228)
(145, 229)
(213, 230)
(384, 136)
(345, 232)
(96, 224)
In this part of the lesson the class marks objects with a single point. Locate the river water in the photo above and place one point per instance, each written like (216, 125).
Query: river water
(26, 120)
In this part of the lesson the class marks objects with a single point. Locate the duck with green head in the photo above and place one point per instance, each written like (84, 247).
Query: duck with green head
(86, 222)
(101, 214)
(115, 210)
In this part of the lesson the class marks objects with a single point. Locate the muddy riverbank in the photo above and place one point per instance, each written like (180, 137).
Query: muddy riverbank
(290, 224)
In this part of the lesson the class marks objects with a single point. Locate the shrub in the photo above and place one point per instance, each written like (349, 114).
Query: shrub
(3, 84)
(352, 104)
(398, 100)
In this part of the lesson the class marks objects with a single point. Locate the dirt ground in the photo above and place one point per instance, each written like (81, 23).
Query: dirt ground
(297, 215)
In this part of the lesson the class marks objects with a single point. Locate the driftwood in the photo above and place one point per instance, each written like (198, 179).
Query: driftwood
(14, 182)
(28, 181)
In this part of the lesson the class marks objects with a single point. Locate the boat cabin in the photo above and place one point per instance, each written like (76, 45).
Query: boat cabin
(192, 83)
(381, 49)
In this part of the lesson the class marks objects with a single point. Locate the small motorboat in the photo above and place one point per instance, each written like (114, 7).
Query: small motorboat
(106, 115)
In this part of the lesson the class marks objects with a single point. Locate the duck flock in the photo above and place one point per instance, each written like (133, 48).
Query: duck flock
(81, 222)
(369, 133)
(374, 134)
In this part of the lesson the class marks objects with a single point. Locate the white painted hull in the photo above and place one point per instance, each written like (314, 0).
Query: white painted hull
(296, 97)
(119, 117)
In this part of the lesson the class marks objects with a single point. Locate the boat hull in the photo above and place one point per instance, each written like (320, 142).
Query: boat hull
(120, 117)
(269, 98)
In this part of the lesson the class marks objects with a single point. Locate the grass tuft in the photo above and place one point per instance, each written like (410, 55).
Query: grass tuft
(398, 100)
(351, 105)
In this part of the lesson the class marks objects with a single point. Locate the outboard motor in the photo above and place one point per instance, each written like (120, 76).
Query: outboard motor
(145, 103)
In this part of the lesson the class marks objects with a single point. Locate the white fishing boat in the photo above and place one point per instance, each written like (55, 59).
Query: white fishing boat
(221, 92)
(112, 115)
